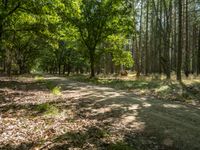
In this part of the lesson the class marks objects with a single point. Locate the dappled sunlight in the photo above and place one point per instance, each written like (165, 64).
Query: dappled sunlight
(133, 107)
(163, 88)
(173, 106)
(90, 114)
(146, 105)
(132, 122)
(101, 110)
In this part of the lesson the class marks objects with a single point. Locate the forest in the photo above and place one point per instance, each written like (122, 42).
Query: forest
(99, 74)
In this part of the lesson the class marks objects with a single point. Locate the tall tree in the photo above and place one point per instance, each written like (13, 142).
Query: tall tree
(95, 20)
(179, 61)
(187, 52)
(147, 38)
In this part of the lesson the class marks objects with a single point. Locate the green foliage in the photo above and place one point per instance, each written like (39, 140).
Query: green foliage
(31, 39)
(121, 56)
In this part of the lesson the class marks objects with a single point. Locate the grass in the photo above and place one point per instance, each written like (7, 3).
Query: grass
(47, 109)
(120, 146)
(55, 89)
(119, 83)
(188, 91)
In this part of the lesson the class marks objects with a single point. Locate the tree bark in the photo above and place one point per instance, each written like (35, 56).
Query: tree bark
(92, 71)
(187, 54)
(147, 65)
(179, 61)
(198, 56)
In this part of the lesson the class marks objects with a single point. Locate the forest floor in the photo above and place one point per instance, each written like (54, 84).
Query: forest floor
(41, 113)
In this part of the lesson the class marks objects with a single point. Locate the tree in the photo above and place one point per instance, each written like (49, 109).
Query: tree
(179, 61)
(95, 21)
(187, 53)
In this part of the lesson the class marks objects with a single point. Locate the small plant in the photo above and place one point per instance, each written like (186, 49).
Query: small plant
(47, 109)
(56, 90)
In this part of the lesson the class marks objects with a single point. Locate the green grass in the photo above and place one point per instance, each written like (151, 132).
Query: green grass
(55, 89)
(47, 109)
(119, 83)
(119, 146)
(162, 89)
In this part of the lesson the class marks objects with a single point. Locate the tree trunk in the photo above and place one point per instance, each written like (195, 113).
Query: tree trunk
(198, 56)
(92, 72)
(147, 65)
(64, 68)
(194, 49)
(187, 54)
(174, 54)
(59, 68)
(140, 38)
(68, 69)
(179, 61)
(160, 39)
(137, 57)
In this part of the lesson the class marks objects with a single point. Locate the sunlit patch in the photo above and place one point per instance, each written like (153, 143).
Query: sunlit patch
(143, 98)
(115, 105)
(173, 106)
(128, 119)
(163, 88)
(101, 110)
(132, 121)
(146, 105)
(112, 94)
(39, 78)
(134, 107)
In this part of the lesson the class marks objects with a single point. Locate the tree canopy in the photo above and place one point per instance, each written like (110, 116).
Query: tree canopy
(100, 36)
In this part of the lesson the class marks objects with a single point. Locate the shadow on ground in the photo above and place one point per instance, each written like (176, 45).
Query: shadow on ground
(113, 119)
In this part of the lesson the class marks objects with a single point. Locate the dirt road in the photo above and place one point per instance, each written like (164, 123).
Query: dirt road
(86, 116)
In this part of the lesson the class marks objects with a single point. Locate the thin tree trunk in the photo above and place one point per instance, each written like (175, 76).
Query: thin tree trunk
(179, 62)
(92, 71)
(198, 56)
(140, 37)
(187, 59)
(147, 65)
